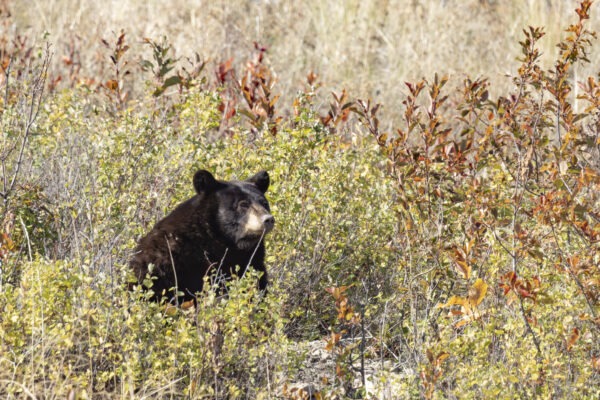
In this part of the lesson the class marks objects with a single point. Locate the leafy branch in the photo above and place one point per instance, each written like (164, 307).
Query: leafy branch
(17, 131)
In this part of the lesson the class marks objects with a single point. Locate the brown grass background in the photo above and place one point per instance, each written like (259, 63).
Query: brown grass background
(369, 47)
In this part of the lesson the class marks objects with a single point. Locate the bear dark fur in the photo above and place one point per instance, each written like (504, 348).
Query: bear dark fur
(221, 227)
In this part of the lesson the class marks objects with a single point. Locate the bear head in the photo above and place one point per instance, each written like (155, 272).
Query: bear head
(241, 213)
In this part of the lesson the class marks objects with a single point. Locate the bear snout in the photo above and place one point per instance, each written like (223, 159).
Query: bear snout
(258, 222)
(268, 222)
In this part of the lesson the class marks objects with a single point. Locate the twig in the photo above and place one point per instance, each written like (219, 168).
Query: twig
(23, 387)
(254, 252)
(34, 109)
(27, 238)
(6, 92)
(575, 277)
(37, 92)
(174, 272)
(151, 394)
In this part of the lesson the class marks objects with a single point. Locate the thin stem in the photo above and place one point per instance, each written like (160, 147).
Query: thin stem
(174, 272)
(34, 109)
(6, 92)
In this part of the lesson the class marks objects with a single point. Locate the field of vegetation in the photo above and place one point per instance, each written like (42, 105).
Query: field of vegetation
(435, 172)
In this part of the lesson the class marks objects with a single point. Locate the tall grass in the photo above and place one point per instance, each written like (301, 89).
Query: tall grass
(368, 47)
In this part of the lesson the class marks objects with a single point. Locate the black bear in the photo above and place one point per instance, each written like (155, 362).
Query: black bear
(220, 230)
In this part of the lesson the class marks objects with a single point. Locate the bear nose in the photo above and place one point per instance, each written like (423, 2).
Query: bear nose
(268, 221)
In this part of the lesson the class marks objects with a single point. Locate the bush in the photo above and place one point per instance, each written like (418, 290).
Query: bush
(455, 256)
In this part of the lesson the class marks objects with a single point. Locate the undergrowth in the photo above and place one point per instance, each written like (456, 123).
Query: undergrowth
(454, 256)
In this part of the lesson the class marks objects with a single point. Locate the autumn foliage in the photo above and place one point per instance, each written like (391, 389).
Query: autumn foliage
(504, 196)
(449, 248)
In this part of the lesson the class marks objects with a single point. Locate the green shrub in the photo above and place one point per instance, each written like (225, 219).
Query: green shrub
(65, 332)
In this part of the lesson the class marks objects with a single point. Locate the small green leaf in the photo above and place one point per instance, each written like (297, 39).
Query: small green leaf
(173, 80)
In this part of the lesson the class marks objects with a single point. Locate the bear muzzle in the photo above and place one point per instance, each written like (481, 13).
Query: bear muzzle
(268, 222)
(259, 222)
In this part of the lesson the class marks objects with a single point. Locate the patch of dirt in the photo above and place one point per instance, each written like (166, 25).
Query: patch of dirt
(318, 375)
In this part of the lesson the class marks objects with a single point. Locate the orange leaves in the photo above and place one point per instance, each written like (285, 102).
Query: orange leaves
(521, 287)
(464, 268)
(468, 305)
(432, 372)
(572, 338)
(332, 341)
(114, 86)
(339, 110)
(584, 9)
(337, 292)
(120, 48)
(255, 89)
(460, 256)
(596, 363)
(591, 94)
(224, 70)
(437, 360)
(344, 309)
(111, 85)
(434, 149)
(6, 245)
(583, 268)
(477, 292)
(301, 393)
(347, 319)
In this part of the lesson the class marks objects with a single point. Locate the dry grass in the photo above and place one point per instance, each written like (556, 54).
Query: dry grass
(368, 47)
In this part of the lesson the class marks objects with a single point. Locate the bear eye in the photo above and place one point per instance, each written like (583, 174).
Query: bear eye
(244, 205)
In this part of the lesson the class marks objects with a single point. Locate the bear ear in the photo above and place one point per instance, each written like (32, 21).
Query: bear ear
(260, 180)
(204, 181)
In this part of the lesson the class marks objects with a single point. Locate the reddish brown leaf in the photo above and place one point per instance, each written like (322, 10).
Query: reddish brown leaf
(573, 338)
(111, 84)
